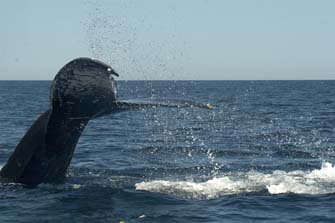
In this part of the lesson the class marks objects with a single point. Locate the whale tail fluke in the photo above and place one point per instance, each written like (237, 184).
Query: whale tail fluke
(159, 103)
(82, 90)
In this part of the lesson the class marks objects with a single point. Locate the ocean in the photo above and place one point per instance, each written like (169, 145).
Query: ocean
(265, 153)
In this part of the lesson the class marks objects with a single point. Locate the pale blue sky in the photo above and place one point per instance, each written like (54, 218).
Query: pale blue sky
(175, 39)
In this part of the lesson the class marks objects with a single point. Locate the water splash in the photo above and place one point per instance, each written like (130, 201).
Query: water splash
(318, 181)
(131, 45)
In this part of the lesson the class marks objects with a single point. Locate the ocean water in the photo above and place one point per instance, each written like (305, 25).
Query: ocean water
(265, 153)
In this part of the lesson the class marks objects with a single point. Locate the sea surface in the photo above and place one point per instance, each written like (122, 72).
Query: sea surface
(265, 153)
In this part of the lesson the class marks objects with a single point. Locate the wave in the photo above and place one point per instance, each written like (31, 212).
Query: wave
(318, 181)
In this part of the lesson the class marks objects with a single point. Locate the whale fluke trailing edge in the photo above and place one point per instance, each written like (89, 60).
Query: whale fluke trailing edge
(82, 90)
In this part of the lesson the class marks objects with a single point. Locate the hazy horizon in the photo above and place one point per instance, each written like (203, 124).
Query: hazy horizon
(171, 40)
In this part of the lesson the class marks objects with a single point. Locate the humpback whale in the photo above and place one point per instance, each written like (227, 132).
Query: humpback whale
(82, 90)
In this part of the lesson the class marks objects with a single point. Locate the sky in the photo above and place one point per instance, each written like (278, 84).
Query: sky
(174, 40)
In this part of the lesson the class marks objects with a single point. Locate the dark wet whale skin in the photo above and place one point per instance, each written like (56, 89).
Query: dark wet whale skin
(83, 89)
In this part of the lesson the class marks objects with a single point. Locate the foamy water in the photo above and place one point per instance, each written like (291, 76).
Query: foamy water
(318, 181)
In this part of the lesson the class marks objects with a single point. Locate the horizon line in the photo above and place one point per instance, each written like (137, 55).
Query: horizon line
(190, 80)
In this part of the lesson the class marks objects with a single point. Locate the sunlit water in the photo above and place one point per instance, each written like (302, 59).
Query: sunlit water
(265, 153)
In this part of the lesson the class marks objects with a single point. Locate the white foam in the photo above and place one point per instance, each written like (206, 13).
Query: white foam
(319, 181)
(76, 186)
